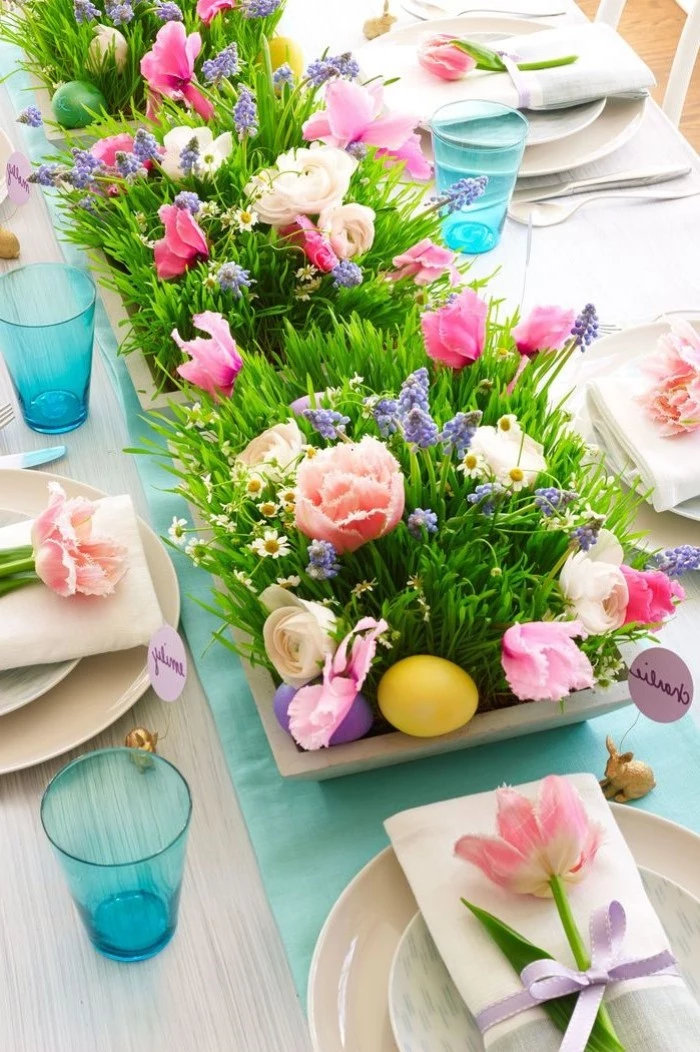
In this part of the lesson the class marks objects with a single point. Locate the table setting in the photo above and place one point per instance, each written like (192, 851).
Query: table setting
(399, 532)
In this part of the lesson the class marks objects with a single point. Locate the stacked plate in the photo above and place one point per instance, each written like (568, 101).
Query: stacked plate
(377, 983)
(47, 709)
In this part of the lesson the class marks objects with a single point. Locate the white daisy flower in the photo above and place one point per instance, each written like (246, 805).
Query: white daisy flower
(289, 582)
(509, 422)
(254, 486)
(271, 544)
(177, 530)
(244, 578)
(246, 219)
(195, 549)
(514, 479)
(473, 465)
(268, 508)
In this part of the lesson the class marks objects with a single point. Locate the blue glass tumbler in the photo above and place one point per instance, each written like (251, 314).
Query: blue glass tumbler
(118, 821)
(47, 326)
(472, 138)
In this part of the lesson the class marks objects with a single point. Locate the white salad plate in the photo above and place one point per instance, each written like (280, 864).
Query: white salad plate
(348, 1005)
(425, 1007)
(101, 688)
(419, 92)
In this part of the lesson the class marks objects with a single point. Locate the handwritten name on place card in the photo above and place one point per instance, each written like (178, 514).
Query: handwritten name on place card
(661, 685)
(17, 173)
(167, 663)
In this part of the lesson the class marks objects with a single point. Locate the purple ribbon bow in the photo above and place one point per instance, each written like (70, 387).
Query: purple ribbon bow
(547, 979)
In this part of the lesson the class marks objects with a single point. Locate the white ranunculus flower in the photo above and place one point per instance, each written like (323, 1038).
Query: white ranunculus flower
(302, 182)
(106, 38)
(298, 635)
(212, 152)
(512, 456)
(349, 228)
(276, 448)
(595, 587)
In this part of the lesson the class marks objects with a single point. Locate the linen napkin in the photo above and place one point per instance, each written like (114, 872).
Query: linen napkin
(606, 66)
(37, 626)
(654, 1014)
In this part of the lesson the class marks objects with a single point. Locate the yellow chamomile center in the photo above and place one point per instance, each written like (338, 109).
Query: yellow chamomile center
(516, 475)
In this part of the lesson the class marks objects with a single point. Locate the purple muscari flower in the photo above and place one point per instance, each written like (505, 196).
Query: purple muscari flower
(187, 200)
(145, 146)
(386, 413)
(327, 422)
(88, 203)
(585, 327)
(462, 193)
(189, 157)
(331, 66)
(482, 494)
(358, 150)
(422, 519)
(458, 432)
(85, 11)
(260, 8)
(119, 14)
(30, 116)
(231, 277)
(346, 275)
(322, 561)
(128, 165)
(47, 174)
(677, 561)
(549, 499)
(245, 113)
(420, 428)
(222, 66)
(167, 11)
(586, 536)
(85, 164)
(414, 392)
(283, 75)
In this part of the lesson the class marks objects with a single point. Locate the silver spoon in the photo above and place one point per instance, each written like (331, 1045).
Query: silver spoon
(546, 213)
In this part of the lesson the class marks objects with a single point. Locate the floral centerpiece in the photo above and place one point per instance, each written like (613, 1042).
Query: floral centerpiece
(381, 503)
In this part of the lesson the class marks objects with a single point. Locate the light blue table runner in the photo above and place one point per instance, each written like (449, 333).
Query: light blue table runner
(311, 838)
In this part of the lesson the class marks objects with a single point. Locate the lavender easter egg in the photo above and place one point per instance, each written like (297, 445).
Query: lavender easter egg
(281, 702)
(356, 724)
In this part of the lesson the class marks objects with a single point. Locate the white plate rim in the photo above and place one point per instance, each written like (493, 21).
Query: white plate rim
(66, 670)
(140, 683)
(630, 821)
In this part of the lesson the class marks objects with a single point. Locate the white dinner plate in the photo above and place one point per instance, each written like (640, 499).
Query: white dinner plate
(425, 1006)
(101, 688)
(347, 1003)
(6, 151)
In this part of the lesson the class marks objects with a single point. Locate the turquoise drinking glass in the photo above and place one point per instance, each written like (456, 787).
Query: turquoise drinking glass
(118, 822)
(472, 138)
(47, 326)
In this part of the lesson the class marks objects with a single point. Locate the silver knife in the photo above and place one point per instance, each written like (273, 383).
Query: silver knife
(33, 458)
(633, 177)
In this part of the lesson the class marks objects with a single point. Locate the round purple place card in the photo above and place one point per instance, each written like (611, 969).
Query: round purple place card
(17, 172)
(167, 663)
(661, 685)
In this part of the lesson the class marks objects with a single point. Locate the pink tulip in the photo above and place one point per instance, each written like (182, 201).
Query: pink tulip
(316, 711)
(440, 55)
(544, 329)
(673, 399)
(355, 114)
(456, 333)
(536, 841)
(542, 662)
(425, 262)
(215, 363)
(207, 10)
(314, 245)
(168, 67)
(184, 243)
(106, 149)
(651, 595)
(349, 494)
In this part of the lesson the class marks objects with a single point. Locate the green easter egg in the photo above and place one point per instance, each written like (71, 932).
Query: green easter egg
(72, 102)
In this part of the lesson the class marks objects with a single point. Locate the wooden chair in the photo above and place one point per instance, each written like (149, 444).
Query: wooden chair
(610, 11)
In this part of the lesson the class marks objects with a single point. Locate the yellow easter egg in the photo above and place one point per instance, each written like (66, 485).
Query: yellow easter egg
(426, 696)
(284, 50)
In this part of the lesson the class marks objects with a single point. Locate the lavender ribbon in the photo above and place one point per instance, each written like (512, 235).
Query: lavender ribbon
(520, 81)
(547, 979)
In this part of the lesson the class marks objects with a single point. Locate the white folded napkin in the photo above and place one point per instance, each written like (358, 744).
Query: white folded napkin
(423, 840)
(669, 466)
(606, 66)
(37, 626)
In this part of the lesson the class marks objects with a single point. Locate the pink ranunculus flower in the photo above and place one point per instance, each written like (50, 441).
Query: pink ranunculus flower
(106, 149)
(651, 595)
(168, 68)
(425, 262)
(316, 711)
(439, 55)
(544, 329)
(67, 557)
(542, 662)
(207, 10)
(553, 837)
(315, 246)
(673, 398)
(215, 363)
(184, 243)
(354, 114)
(456, 333)
(349, 494)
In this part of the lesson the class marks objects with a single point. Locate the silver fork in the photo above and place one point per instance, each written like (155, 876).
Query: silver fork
(7, 415)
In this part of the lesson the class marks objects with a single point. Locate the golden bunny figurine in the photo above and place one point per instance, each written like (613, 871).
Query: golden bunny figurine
(625, 778)
(375, 27)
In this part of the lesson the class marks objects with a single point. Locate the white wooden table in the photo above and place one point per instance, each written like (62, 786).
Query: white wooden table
(223, 985)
